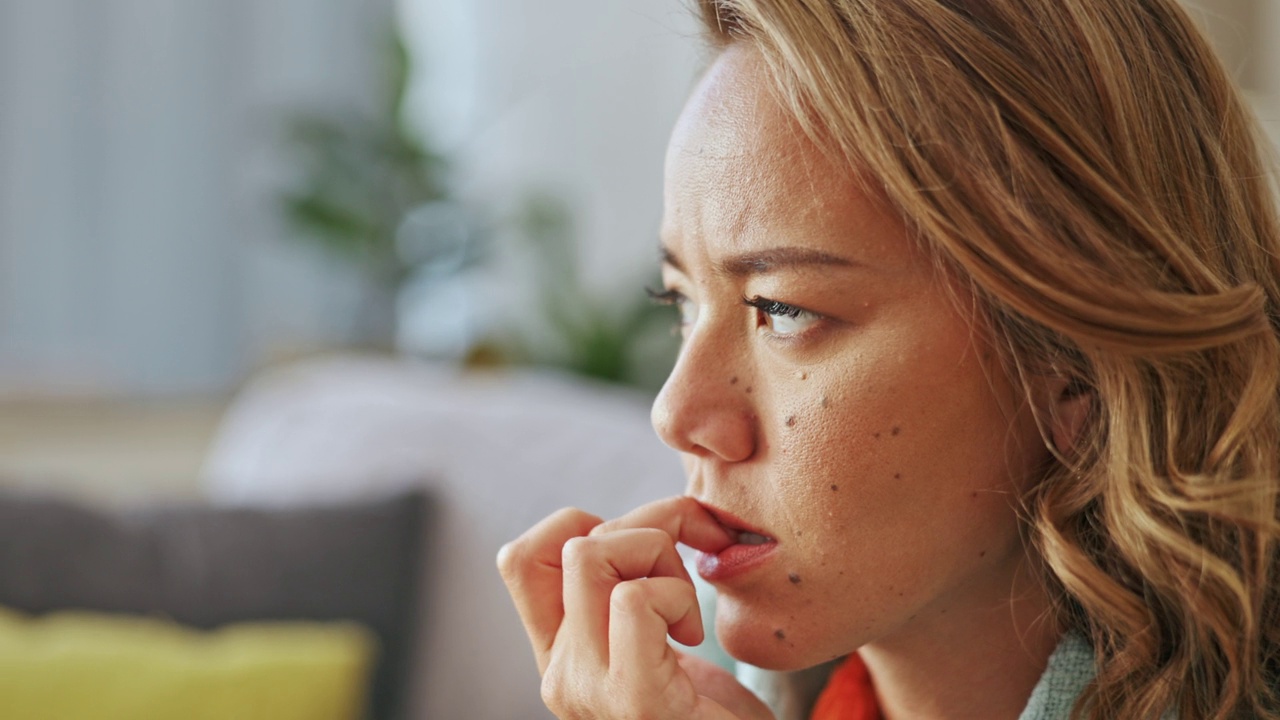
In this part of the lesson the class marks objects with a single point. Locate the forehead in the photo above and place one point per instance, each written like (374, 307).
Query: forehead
(731, 136)
(741, 171)
(732, 109)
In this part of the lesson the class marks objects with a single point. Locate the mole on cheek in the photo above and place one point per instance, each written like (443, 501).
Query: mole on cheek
(826, 402)
(795, 579)
(779, 634)
(733, 380)
(897, 476)
(896, 430)
(802, 375)
(835, 488)
(791, 421)
(749, 388)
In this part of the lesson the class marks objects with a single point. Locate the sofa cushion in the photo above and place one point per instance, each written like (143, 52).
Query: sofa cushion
(75, 664)
(206, 567)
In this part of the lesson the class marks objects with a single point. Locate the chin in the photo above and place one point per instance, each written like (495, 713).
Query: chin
(754, 639)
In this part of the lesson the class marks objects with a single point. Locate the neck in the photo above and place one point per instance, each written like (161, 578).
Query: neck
(980, 656)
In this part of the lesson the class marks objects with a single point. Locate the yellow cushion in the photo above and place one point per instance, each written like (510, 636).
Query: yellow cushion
(91, 666)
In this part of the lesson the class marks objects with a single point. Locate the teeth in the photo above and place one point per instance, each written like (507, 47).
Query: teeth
(750, 538)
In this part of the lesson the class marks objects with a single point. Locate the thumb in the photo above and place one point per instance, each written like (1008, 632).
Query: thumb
(716, 683)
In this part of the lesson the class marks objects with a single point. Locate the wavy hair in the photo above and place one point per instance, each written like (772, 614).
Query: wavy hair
(1089, 171)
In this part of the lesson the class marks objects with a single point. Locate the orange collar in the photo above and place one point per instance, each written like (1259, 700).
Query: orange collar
(848, 695)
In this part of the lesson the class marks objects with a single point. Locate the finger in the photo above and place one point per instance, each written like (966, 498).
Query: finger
(594, 566)
(642, 613)
(682, 518)
(531, 568)
(714, 682)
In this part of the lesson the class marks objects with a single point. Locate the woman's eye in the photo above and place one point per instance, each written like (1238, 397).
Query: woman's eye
(781, 318)
(688, 309)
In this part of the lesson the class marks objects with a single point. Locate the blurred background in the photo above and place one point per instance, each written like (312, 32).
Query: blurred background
(273, 252)
(192, 192)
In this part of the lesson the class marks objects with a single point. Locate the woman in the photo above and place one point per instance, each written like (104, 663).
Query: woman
(979, 383)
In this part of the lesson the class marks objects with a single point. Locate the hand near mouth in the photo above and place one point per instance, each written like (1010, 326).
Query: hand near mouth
(598, 601)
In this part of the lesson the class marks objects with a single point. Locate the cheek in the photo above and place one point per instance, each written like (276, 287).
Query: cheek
(866, 461)
(837, 440)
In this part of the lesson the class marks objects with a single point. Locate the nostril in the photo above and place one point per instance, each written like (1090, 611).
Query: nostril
(703, 409)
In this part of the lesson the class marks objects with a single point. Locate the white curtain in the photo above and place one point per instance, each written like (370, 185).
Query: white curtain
(140, 246)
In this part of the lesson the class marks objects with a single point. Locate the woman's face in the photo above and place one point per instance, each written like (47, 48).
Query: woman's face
(829, 394)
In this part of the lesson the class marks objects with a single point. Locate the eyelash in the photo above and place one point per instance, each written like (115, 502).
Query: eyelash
(664, 297)
(763, 305)
(773, 307)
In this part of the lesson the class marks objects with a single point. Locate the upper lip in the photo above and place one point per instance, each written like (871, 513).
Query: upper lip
(731, 521)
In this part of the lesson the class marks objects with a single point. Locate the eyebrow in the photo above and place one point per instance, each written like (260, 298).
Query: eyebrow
(765, 261)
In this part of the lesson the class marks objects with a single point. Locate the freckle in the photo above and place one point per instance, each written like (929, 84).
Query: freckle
(897, 476)
(877, 436)
(794, 578)
(835, 488)
(982, 554)
(791, 421)
(901, 594)
(802, 375)
(779, 634)
(733, 380)
(826, 402)
(897, 430)
(749, 389)
(973, 494)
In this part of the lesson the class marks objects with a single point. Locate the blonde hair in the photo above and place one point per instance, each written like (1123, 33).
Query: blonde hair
(1089, 171)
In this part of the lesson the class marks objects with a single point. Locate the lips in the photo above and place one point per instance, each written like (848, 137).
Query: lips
(752, 548)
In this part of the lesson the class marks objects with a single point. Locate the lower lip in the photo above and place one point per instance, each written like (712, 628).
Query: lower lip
(733, 561)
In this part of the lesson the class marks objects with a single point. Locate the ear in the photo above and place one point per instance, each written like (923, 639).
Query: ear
(1068, 402)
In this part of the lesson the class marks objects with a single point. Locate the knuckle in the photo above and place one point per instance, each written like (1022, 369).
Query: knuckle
(630, 598)
(514, 556)
(568, 514)
(553, 692)
(566, 698)
(575, 517)
(578, 552)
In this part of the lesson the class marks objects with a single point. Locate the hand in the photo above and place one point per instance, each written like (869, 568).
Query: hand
(598, 601)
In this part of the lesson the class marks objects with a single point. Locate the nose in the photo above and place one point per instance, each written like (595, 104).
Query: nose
(705, 407)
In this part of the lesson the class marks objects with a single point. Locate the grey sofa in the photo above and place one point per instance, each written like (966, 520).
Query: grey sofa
(209, 566)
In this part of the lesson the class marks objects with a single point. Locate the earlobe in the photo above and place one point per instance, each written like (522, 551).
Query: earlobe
(1072, 401)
